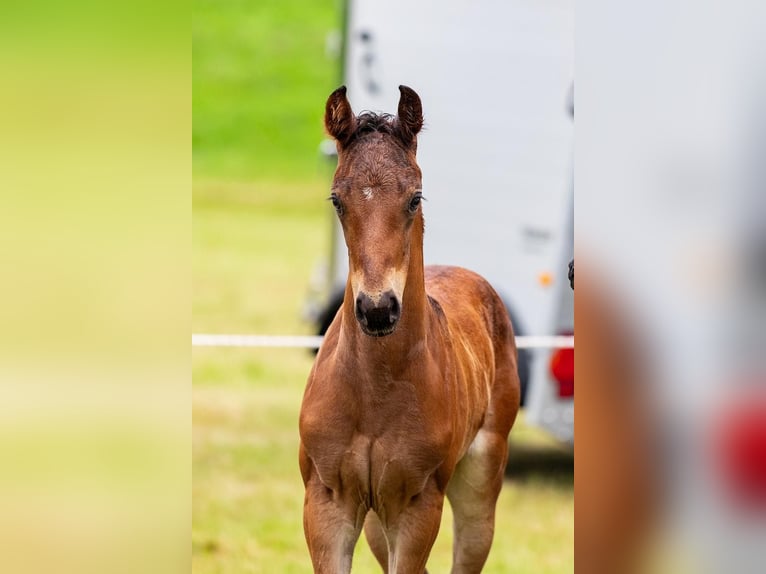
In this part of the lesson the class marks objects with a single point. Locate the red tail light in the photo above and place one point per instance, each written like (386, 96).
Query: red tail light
(742, 451)
(562, 369)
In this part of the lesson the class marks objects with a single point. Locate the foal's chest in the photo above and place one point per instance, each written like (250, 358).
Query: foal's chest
(375, 447)
(375, 470)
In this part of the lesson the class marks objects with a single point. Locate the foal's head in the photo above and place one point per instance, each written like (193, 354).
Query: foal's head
(376, 192)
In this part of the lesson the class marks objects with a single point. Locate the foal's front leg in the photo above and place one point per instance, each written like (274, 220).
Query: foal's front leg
(412, 532)
(332, 528)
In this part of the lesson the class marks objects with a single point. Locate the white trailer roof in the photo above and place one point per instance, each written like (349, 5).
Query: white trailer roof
(494, 77)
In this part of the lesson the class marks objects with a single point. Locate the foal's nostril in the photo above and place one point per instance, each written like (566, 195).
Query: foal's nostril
(394, 309)
(363, 305)
(378, 318)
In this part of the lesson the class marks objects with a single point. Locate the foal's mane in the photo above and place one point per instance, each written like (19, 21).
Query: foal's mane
(369, 122)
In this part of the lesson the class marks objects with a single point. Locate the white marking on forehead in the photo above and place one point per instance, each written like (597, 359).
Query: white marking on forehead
(367, 192)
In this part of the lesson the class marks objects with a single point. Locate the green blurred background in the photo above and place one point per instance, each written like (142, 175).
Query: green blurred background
(261, 75)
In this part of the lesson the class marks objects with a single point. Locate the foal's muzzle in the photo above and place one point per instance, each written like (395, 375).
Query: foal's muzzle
(378, 319)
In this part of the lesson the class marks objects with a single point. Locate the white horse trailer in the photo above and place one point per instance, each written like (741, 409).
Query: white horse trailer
(495, 78)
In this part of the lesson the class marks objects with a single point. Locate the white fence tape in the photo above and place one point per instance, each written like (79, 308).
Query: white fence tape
(313, 342)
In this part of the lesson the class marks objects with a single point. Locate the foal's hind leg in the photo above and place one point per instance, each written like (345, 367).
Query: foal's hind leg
(376, 538)
(473, 492)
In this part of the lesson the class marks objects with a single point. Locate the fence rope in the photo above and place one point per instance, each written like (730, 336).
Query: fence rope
(314, 342)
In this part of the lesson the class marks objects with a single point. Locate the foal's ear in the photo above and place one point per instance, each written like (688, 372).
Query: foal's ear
(410, 120)
(339, 120)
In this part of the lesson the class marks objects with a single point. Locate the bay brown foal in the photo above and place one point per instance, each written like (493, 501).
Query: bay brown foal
(415, 388)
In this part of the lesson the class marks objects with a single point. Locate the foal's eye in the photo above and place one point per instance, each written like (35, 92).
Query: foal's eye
(415, 202)
(336, 203)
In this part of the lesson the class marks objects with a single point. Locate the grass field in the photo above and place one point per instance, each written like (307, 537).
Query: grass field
(259, 226)
(260, 78)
